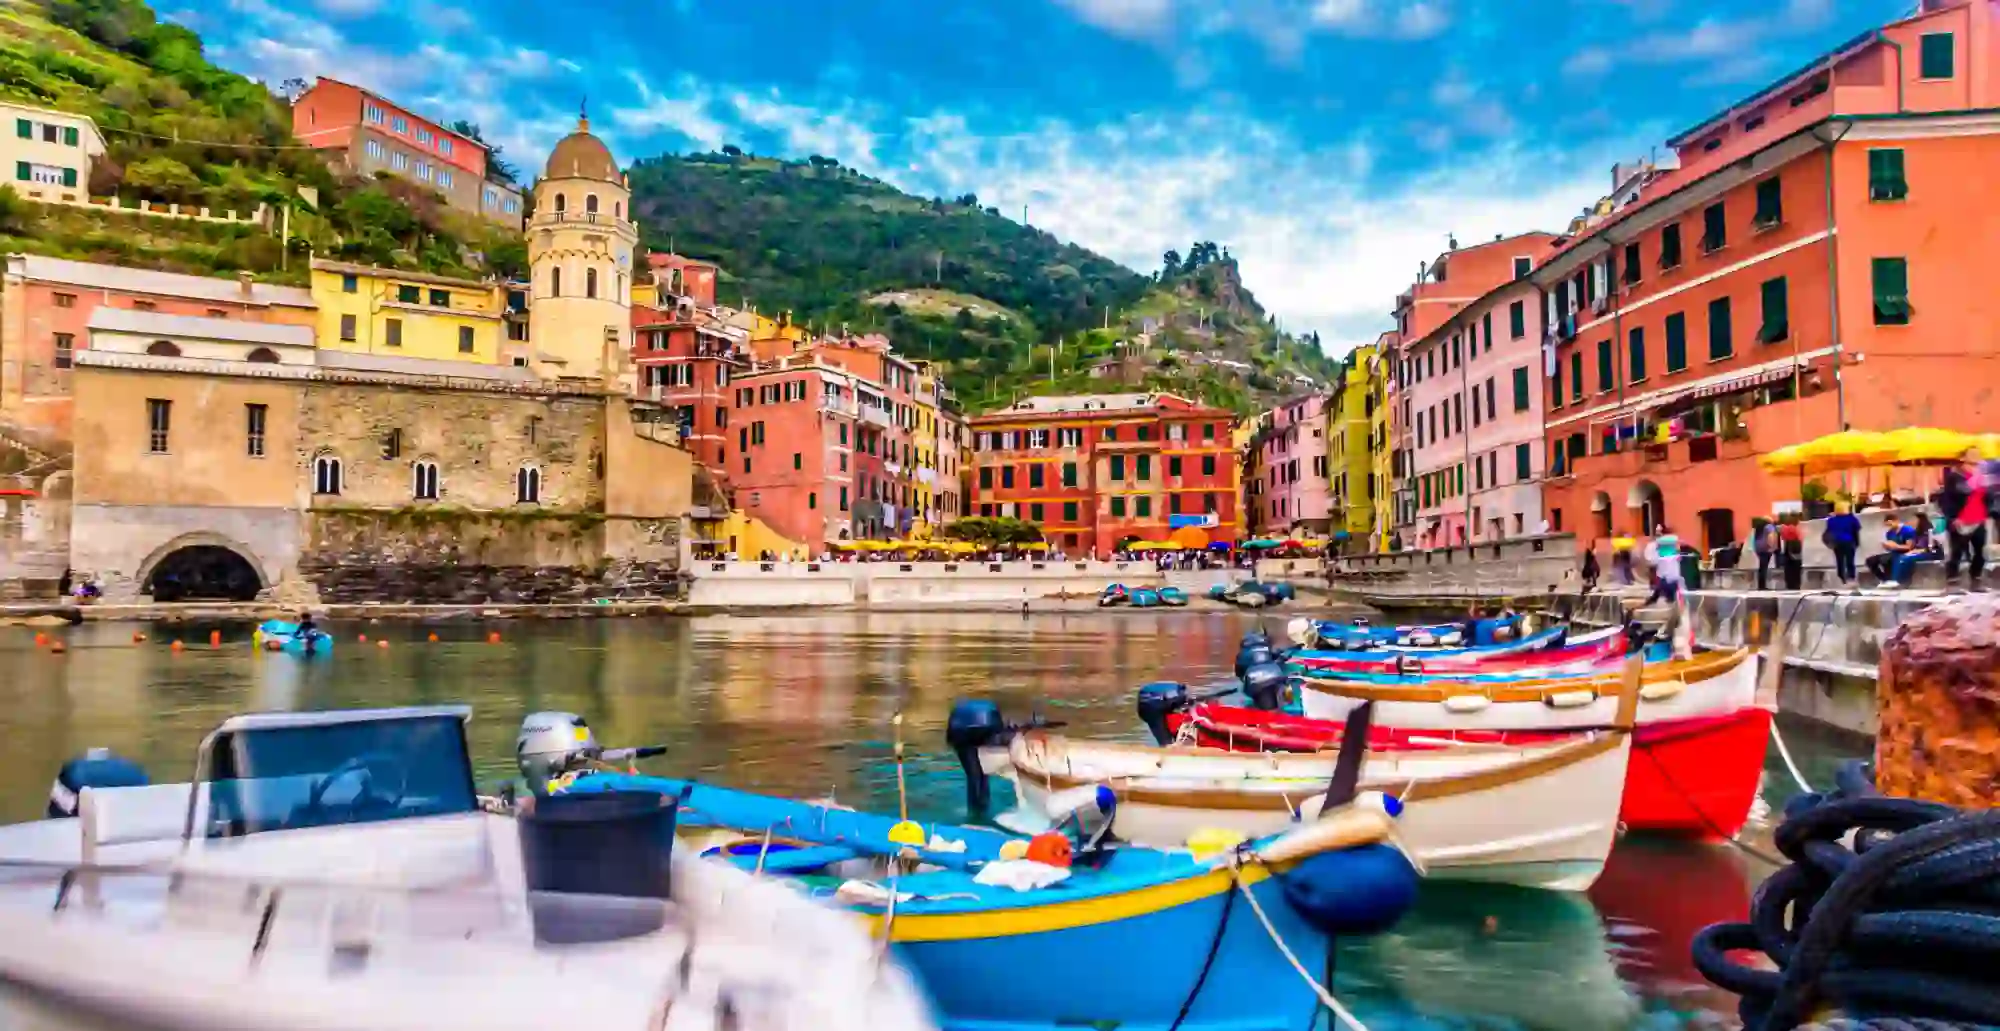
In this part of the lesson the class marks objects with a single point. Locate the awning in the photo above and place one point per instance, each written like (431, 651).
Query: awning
(1751, 381)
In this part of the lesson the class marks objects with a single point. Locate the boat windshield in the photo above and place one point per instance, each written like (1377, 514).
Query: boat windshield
(363, 771)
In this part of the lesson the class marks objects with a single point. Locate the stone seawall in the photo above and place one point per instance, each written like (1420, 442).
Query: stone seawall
(790, 584)
(1513, 568)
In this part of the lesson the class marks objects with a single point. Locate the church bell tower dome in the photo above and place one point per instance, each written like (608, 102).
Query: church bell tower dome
(581, 239)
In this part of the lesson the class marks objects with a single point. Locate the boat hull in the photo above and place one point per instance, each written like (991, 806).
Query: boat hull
(1688, 778)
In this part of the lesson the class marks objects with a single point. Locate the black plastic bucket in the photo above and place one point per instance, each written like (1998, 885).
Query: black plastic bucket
(599, 864)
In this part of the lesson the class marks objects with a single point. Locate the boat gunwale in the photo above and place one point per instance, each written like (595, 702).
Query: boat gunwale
(1697, 670)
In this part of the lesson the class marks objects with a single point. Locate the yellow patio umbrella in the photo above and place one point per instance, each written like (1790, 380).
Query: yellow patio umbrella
(1141, 546)
(1166, 546)
(962, 547)
(1835, 452)
(1989, 445)
(1923, 445)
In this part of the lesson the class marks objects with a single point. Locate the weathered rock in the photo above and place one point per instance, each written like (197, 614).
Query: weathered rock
(1939, 701)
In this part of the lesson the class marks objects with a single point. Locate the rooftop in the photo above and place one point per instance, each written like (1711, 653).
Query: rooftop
(376, 272)
(405, 108)
(198, 327)
(160, 284)
(351, 361)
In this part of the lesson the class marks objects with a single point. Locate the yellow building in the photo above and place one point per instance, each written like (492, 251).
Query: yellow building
(48, 153)
(382, 311)
(1348, 457)
(1381, 445)
(924, 485)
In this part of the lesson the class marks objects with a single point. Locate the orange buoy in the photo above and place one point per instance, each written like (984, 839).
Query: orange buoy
(137, 637)
(364, 638)
(57, 647)
(41, 640)
(382, 644)
(1050, 847)
(493, 637)
(434, 638)
(215, 638)
(177, 646)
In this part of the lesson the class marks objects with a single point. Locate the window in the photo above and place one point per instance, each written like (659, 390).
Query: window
(262, 356)
(444, 177)
(1174, 466)
(843, 499)
(424, 481)
(1208, 465)
(1144, 506)
(350, 283)
(392, 445)
(163, 349)
(1576, 375)
(347, 328)
(1721, 342)
(986, 478)
(392, 332)
(1035, 475)
(1522, 460)
(1605, 377)
(1631, 272)
(555, 277)
(1069, 474)
(1006, 477)
(1635, 355)
(253, 421)
(399, 123)
(440, 298)
(1117, 467)
(1935, 56)
(1885, 174)
(1491, 395)
(1208, 431)
(409, 294)
(1714, 228)
(798, 460)
(1891, 278)
(1775, 325)
(326, 475)
(1069, 511)
(65, 350)
(465, 340)
(1677, 343)
(590, 204)
(1521, 389)
(1522, 266)
(590, 282)
(24, 128)
(1770, 204)
(159, 414)
(1145, 464)
(399, 161)
(528, 485)
(1670, 247)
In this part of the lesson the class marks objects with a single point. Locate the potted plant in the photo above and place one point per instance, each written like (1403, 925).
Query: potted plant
(1816, 499)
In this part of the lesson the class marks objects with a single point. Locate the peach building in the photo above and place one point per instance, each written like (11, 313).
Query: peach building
(371, 134)
(1809, 259)
(1467, 334)
(1290, 459)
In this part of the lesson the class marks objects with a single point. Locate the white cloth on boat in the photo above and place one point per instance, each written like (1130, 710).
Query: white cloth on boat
(867, 893)
(1020, 874)
(940, 843)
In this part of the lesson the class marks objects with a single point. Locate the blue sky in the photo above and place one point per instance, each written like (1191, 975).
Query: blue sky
(1331, 145)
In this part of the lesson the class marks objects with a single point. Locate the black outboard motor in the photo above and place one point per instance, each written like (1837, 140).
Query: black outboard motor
(1253, 655)
(1264, 685)
(96, 768)
(1158, 699)
(974, 724)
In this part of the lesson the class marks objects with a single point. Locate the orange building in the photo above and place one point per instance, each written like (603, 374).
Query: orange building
(1098, 470)
(1809, 259)
(369, 133)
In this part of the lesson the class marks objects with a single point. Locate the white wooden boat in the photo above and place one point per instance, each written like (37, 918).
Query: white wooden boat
(1710, 684)
(1543, 816)
(367, 890)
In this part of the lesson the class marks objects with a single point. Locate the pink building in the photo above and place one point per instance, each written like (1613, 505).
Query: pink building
(1469, 403)
(1289, 459)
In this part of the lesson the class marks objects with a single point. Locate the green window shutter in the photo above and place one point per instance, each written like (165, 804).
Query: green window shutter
(69, 178)
(1521, 389)
(1576, 375)
(1145, 465)
(1631, 263)
(22, 171)
(1776, 324)
(1069, 511)
(1522, 458)
(1635, 358)
(1069, 474)
(1670, 247)
(1770, 204)
(1556, 388)
(1605, 379)
(1936, 59)
(1714, 228)
(1145, 507)
(1891, 278)
(1118, 508)
(1885, 174)
(24, 129)
(1517, 319)
(1117, 467)
(1677, 343)
(1721, 343)
(1489, 330)
(69, 136)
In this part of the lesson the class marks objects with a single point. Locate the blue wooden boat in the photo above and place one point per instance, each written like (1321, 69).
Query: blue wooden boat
(1173, 596)
(1380, 639)
(1145, 598)
(1132, 938)
(278, 635)
(1116, 594)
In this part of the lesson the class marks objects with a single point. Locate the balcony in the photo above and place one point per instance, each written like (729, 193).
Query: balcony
(876, 416)
(926, 476)
(585, 218)
(838, 406)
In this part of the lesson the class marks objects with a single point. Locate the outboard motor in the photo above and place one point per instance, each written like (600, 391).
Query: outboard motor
(1264, 685)
(1254, 655)
(1156, 701)
(96, 768)
(974, 724)
(551, 744)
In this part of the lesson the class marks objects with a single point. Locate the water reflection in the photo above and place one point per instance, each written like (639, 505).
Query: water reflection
(801, 704)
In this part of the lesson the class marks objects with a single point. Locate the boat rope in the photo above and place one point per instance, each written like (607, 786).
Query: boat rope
(1325, 994)
(1784, 753)
(1900, 925)
(1687, 799)
(1208, 962)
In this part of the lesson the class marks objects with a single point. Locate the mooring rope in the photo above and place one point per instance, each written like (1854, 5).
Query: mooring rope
(1325, 995)
(1896, 927)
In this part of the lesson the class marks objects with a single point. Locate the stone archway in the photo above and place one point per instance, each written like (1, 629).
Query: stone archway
(201, 566)
(1648, 505)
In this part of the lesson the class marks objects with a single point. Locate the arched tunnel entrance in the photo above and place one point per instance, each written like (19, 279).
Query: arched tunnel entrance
(203, 572)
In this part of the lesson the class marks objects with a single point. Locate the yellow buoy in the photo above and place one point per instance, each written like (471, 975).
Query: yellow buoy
(908, 832)
(1014, 848)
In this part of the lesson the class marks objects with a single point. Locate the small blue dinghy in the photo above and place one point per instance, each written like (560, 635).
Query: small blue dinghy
(278, 635)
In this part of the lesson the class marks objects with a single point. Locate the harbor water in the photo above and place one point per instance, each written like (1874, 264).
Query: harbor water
(802, 705)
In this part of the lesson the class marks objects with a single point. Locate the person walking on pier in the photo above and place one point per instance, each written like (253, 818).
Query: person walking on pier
(1666, 554)
(1765, 543)
(1962, 500)
(1843, 535)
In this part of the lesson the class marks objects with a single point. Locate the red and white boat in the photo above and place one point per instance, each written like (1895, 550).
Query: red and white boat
(1698, 749)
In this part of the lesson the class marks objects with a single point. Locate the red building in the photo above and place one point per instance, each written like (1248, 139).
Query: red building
(369, 133)
(687, 360)
(679, 276)
(1098, 470)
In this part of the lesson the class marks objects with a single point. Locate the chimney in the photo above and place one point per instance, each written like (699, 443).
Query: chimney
(245, 284)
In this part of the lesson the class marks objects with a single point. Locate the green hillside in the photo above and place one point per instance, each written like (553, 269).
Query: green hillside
(178, 129)
(1008, 309)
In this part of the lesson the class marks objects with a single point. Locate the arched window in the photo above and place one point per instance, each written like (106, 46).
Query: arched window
(590, 282)
(561, 204)
(264, 355)
(528, 485)
(326, 475)
(555, 282)
(164, 349)
(620, 295)
(617, 209)
(424, 481)
(590, 204)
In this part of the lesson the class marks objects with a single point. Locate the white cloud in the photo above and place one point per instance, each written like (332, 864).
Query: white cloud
(1588, 63)
(1718, 50)
(1134, 19)
(686, 113)
(806, 130)
(348, 8)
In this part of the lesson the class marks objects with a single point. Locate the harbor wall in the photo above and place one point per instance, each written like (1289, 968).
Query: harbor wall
(796, 584)
(1512, 568)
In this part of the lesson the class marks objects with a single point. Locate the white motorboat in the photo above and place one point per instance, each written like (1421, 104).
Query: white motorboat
(337, 871)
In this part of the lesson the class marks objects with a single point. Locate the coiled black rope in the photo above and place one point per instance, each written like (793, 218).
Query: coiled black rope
(1903, 925)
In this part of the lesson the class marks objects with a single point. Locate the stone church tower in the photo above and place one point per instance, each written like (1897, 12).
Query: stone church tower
(580, 244)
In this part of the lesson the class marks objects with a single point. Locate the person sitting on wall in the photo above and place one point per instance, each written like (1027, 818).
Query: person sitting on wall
(1904, 545)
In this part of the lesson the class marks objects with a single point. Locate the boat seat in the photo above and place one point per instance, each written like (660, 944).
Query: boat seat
(795, 860)
(124, 816)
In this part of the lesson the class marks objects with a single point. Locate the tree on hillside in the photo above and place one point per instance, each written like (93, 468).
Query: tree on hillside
(1171, 263)
(732, 150)
(498, 169)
